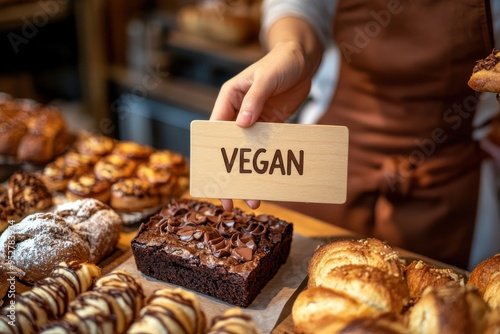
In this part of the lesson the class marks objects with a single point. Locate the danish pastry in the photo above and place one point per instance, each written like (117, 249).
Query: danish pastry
(171, 160)
(133, 194)
(27, 194)
(132, 150)
(88, 186)
(113, 168)
(161, 178)
(57, 174)
(89, 144)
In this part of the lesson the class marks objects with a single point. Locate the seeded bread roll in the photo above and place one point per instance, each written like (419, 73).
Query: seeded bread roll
(369, 285)
(170, 311)
(317, 307)
(492, 291)
(97, 224)
(38, 243)
(420, 275)
(449, 309)
(482, 273)
(382, 324)
(371, 252)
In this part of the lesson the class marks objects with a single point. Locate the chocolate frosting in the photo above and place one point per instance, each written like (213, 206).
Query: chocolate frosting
(206, 232)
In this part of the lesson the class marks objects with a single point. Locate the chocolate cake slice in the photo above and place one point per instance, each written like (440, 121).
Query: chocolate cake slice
(229, 255)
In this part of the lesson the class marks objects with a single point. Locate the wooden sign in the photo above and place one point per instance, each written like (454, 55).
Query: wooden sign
(269, 161)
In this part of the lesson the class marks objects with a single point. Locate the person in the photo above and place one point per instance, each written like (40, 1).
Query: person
(414, 168)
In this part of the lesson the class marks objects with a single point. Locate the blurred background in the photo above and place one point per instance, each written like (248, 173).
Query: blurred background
(140, 70)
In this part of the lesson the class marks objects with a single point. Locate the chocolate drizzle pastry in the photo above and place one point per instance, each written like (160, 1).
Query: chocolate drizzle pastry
(230, 250)
(49, 298)
(486, 74)
(233, 321)
(110, 307)
(487, 63)
(170, 311)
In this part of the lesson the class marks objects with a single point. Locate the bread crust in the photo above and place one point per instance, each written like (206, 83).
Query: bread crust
(482, 273)
(370, 251)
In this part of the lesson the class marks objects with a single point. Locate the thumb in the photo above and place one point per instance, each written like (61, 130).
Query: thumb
(253, 104)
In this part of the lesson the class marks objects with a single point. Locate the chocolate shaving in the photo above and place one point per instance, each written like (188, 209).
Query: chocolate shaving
(487, 63)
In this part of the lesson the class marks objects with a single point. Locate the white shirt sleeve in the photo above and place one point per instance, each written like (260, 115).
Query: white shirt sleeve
(318, 13)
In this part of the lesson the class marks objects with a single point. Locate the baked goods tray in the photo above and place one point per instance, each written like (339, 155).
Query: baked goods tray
(266, 309)
(285, 322)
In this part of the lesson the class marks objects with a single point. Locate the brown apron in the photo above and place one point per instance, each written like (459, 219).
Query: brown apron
(413, 175)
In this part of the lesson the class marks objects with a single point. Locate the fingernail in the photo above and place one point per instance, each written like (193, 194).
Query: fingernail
(244, 118)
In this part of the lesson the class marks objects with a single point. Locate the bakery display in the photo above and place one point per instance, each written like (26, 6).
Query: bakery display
(31, 132)
(230, 255)
(170, 311)
(110, 307)
(486, 74)
(86, 230)
(49, 298)
(134, 194)
(351, 280)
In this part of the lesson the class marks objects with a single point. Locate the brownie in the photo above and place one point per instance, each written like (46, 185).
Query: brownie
(229, 255)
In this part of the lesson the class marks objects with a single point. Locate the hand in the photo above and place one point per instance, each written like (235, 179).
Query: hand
(269, 90)
(273, 88)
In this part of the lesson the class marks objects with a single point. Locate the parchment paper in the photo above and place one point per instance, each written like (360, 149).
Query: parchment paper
(266, 308)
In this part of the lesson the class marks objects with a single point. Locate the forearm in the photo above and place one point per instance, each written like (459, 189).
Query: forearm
(298, 36)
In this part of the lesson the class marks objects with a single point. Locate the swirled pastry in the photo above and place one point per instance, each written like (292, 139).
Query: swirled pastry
(170, 311)
(88, 186)
(134, 194)
(27, 194)
(113, 168)
(233, 321)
